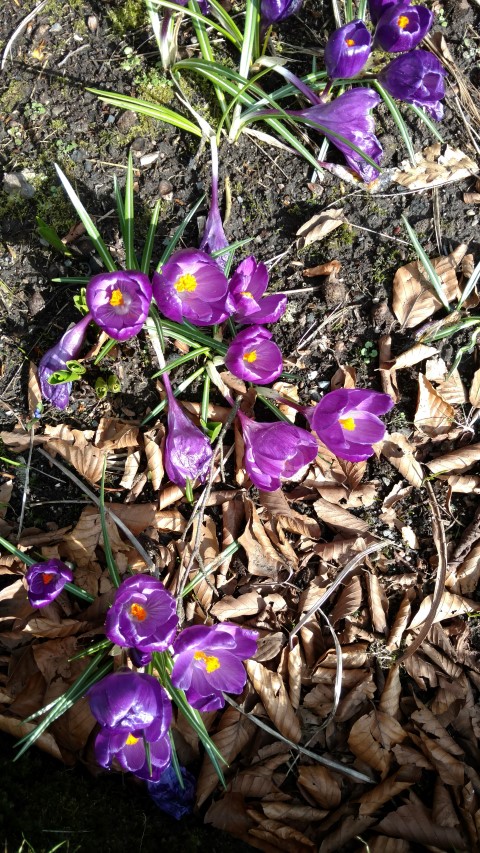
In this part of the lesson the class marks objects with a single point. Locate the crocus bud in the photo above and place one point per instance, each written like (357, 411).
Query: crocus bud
(119, 302)
(347, 421)
(191, 286)
(45, 581)
(347, 50)
(273, 11)
(402, 28)
(254, 357)
(274, 451)
(417, 78)
(246, 302)
(188, 452)
(67, 349)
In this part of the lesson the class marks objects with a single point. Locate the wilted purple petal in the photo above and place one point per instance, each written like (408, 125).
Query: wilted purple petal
(170, 797)
(119, 302)
(45, 581)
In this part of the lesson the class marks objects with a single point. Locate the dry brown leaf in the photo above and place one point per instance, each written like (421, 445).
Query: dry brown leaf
(412, 356)
(329, 268)
(414, 823)
(450, 769)
(390, 699)
(289, 811)
(278, 508)
(451, 605)
(271, 689)
(424, 719)
(406, 755)
(154, 441)
(231, 608)
(374, 799)
(132, 464)
(321, 785)
(19, 439)
(467, 574)
(443, 811)
(414, 299)
(319, 226)
(42, 627)
(115, 434)
(350, 827)
(382, 844)
(452, 390)
(348, 601)
(263, 559)
(34, 392)
(474, 393)
(256, 782)
(353, 656)
(339, 518)
(400, 622)
(433, 415)
(344, 377)
(282, 837)
(234, 732)
(17, 729)
(378, 604)
(73, 446)
(401, 454)
(358, 699)
(286, 389)
(457, 460)
(372, 737)
(230, 815)
(295, 669)
(467, 484)
(436, 165)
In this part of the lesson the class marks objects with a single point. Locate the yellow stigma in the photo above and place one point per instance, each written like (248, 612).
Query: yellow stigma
(116, 298)
(131, 740)
(403, 21)
(211, 662)
(250, 356)
(349, 42)
(47, 577)
(246, 293)
(186, 283)
(347, 423)
(138, 612)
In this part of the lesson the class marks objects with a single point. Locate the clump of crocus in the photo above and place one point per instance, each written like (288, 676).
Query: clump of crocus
(143, 615)
(56, 358)
(188, 452)
(132, 708)
(378, 7)
(208, 662)
(191, 286)
(119, 302)
(246, 302)
(402, 28)
(45, 581)
(417, 78)
(348, 423)
(254, 357)
(347, 50)
(274, 11)
(275, 451)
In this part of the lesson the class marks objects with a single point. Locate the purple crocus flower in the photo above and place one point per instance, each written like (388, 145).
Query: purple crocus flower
(128, 750)
(188, 452)
(349, 115)
(254, 357)
(191, 286)
(128, 701)
(417, 78)
(378, 7)
(273, 11)
(119, 302)
(347, 50)
(401, 28)
(67, 349)
(246, 302)
(208, 661)
(347, 421)
(214, 238)
(46, 580)
(170, 797)
(274, 451)
(143, 615)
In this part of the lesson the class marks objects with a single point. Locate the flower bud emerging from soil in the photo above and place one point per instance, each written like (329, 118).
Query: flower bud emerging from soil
(46, 580)
(143, 615)
(67, 348)
(347, 421)
(188, 452)
(402, 28)
(273, 11)
(208, 662)
(191, 286)
(378, 7)
(254, 357)
(274, 451)
(246, 302)
(347, 50)
(119, 302)
(417, 78)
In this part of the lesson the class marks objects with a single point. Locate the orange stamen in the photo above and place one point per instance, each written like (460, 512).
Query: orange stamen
(211, 662)
(349, 42)
(116, 298)
(403, 21)
(47, 577)
(138, 612)
(250, 356)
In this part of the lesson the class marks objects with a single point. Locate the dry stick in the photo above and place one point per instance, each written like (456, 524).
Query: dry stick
(441, 546)
(19, 30)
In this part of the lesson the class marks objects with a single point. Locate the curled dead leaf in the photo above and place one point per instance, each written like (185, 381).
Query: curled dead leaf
(270, 687)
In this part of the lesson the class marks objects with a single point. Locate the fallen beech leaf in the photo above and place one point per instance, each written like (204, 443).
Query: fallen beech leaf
(263, 559)
(378, 604)
(321, 785)
(231, 608)
(390, 699)
(329, 268)
(34, 392)
(433, 415)
(443, 812)
(16, 728)
(114, 434)
(74, 446)
(278, 508)
(234, 732)
(348, 601)
(350, 827)
(400, 453)
(287, 811)
(436, 165)
(295, 670)
(132, 464)
(457, 460)
(474, 393)
(414, 823)
(338, 518)
(452, 390)
(373, 800)
(414, 299)
(451, 605)
(344, 377)
(269, 686)
(372, 737)
(426, 720)
(154, 441)
(382, 844)
(19, 439)
(286, 389)
(450, 769)
(319, 226)
(255, 782)
(465, 484)
(283, 837)
(467, 574)
(412, 356)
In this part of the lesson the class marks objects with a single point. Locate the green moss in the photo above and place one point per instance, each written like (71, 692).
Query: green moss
(17, 91)
(129, 16)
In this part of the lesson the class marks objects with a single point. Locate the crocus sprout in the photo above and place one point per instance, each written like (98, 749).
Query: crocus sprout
(56, 358)
(208, 662)
(254, 357)
(417, 78)
(347, 421)
(246, 302)
(45, 581)
(402, 28)
(191, 286)
(188, 452)
(143, 615)
(119, 302)
(347, 50)
(275, 451)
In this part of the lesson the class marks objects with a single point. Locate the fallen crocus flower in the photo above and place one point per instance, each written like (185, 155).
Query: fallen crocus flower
(402, 28)
(191, 286)
(172, 798)
(188, 452)
(128, 750)
(130, 701)
(246, 302)
(55, 359)
(274, 11)
(119, 302)
(377, 8)
(143, 615)
(347, 50)
(208, 662)
(45, 581)
(347, 421)
(274, 451)
(254, 357)
(417, 78)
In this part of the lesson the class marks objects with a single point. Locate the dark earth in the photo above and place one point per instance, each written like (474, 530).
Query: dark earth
(47, 116)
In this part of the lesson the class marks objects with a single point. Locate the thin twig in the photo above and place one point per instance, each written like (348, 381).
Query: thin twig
(19, 30)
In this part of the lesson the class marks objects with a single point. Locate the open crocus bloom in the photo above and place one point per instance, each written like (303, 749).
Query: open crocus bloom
(417, 78)
(191, 286)
(208, 662)
(347, 50)
(45, 581)
(246, 302)
(128, 750)
(143, 615)
(129, 702)
(67, 349)
(347, 421)
(402, 28)
(119, 302)
(254, 357)
(275, 450)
